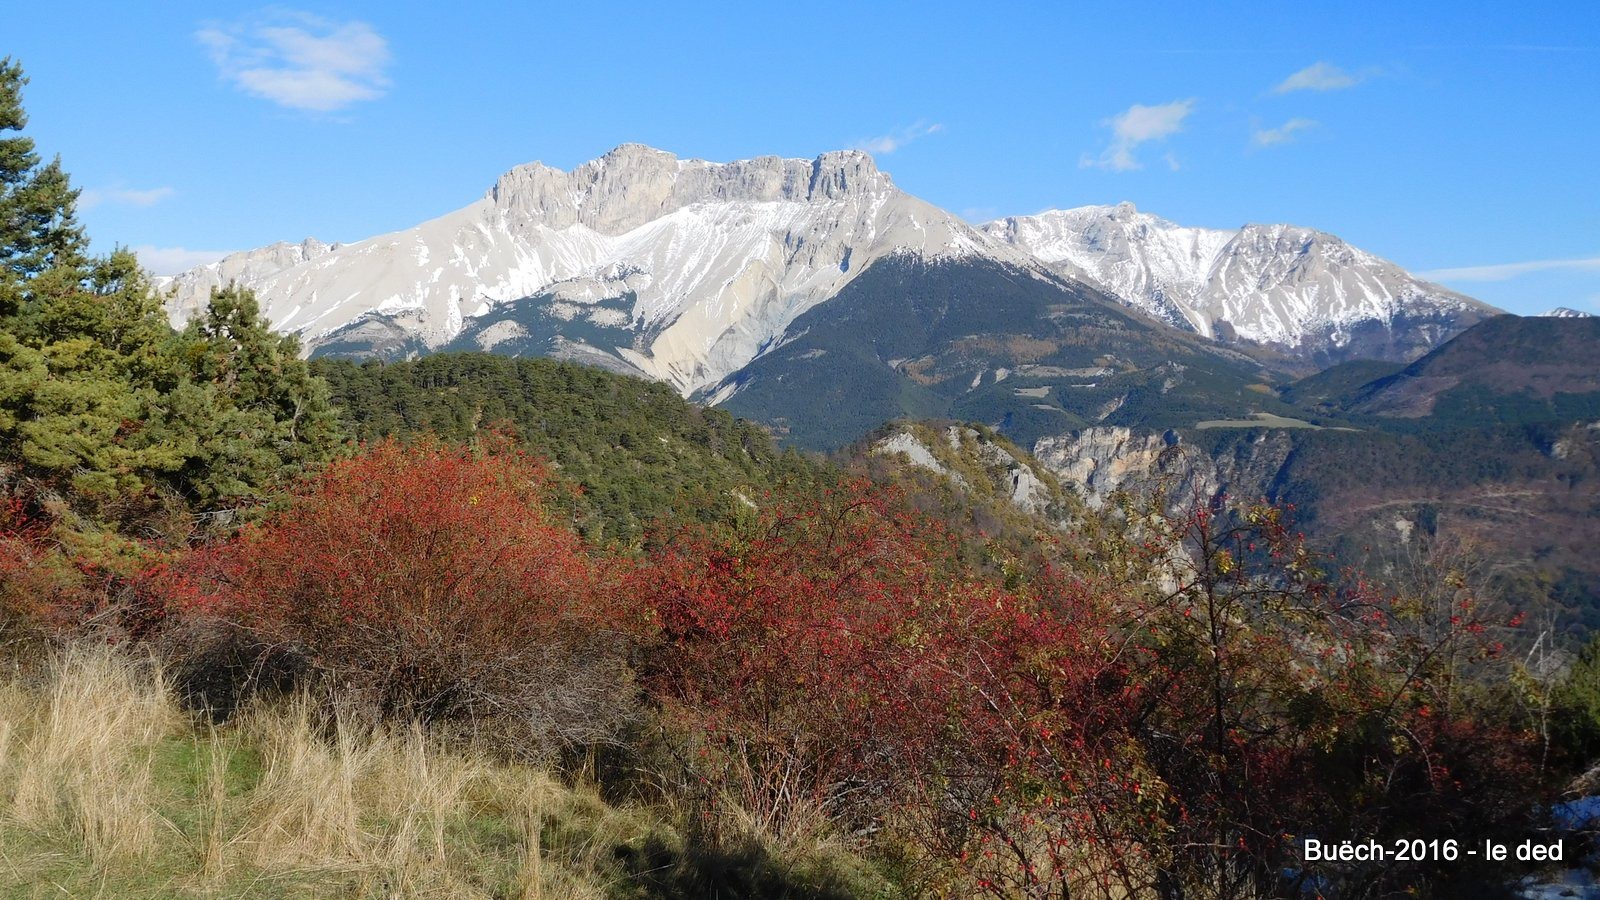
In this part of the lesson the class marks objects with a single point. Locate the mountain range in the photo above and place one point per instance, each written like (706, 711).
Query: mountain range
(687, 271)
(818, 299)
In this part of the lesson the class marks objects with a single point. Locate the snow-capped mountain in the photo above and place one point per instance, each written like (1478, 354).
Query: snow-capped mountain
(679, 269)
(1149, 263)
(685, 270)
(1566, 312)
(1300, 290)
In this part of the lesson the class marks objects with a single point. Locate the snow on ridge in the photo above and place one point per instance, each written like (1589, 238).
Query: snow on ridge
(1274, 283)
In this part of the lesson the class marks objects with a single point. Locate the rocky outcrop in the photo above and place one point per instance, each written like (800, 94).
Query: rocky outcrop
(1099, 462)
(1015, 477)
(975, 463)
(908, 445)
(635, 184)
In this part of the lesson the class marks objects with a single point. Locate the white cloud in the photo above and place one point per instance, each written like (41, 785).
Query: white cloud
(172, 260)
(889, 143)
(1319, 76)
(1283, 134)
(93, 197)
(300, 61)
(1505, 271)
(1137, 125)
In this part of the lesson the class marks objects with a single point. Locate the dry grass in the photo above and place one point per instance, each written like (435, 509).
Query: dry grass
(340, 797)
(213, 802)
(80, 766)
(530, 874)
(108, 789)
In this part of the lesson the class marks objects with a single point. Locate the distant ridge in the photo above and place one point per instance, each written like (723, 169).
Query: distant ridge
(1507, 370)
(1296, 289)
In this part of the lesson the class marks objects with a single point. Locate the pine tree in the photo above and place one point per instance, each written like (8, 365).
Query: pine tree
(249, 406)
(109, 419)
(76, 386)
(38, 221)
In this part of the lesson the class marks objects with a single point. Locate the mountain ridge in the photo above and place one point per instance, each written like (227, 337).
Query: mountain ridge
(1297, 289)
(687, 271)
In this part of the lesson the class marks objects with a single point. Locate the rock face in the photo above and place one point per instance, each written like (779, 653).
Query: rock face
(680, 270)
(634, 185)
(1100, 461)
(1295, 289)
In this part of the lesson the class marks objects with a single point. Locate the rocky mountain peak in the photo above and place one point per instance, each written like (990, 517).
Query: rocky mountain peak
(1282, 238)
(841, 173)
(634, 184)
(1282, 249)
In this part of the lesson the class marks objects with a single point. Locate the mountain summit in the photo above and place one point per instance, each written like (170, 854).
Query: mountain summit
(1299, 290)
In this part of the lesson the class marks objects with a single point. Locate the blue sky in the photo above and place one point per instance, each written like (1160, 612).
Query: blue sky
(1459, 141)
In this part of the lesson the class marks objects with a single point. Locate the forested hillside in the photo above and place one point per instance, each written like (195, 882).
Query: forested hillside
(1509, 370)
(635, 449)
(977, 340)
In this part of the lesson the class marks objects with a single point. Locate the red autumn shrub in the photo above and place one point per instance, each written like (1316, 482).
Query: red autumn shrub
(430, 582)
(833, 655)
(806, 652)
(24, 574)
(1045, 791)
(43, 590)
